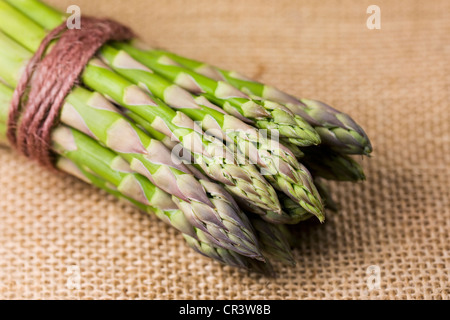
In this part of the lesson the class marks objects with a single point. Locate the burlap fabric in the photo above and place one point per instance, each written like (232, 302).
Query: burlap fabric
(394, 81)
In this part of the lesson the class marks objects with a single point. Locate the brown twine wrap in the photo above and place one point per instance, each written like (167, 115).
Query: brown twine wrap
(46, 81)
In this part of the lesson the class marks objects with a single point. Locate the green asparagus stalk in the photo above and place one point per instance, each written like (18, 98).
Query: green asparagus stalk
(299, 188)
(195, 238)
(215, 159)
(292, 209)
(83, 163)
(277, 163)
(336, 129)
(81, 149)
(294, 181)
(270, 216)
(263, 114)
(296, 151)
(332, 165)
(90, 162)
(297, 214)
(154, 162)
(273, 240)
(3, 140)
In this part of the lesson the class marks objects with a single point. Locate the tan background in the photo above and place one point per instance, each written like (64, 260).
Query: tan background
(394, 81)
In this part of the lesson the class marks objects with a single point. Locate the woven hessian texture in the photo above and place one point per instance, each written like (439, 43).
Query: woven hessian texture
(394, 81)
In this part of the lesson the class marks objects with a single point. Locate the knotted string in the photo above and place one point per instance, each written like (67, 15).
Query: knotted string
(48, 79)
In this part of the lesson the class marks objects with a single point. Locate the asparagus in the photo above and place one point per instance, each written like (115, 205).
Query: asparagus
(209, 154)
(278, 164)
(273, 240)
(326, 195)
(299, 186)
(90, 162)
(219, 237)
(83, 109)
(296, 151)
(214, 158)
(228, 233)
(195, 238)
(84, 163)
(294, 180)
(263, 114)
(336, 129)
(332, 165)
(295, 212)
(285, 217)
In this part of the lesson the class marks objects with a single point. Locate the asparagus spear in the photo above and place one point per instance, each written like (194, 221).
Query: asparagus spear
(294, 180)
(336, 129)
(198, 197)
(332, 165)
(326, 195)
(264, 114)
(195, 237)
(101, 167)
(298, 185)
(276, 161)
(216, 160)
(292, 209)
(273, 240)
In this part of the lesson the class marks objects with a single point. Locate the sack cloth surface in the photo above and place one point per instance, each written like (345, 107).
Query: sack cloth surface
(62, 239)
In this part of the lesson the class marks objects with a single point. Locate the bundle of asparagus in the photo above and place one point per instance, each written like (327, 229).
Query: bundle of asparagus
(225, 160)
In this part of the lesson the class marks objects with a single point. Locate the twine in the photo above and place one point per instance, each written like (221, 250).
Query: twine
(48, 79)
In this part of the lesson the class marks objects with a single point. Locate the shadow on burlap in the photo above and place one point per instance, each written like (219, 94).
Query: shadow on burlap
(394, 81)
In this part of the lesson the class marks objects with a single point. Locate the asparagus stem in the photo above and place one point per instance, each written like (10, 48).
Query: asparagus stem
(214, 158)
(295, 212)
(326, 194)
(336, 129)
(206, 203)
(195, 238)
(82, 157)
(279, 165)
(274, 242)
(274, 159)
(264, 114)
(294, 181)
